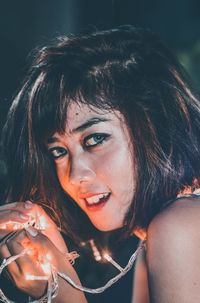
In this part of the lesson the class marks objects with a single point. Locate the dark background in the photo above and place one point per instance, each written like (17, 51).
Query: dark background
(26, 24)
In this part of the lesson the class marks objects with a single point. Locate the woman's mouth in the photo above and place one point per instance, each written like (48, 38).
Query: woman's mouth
(96, 202)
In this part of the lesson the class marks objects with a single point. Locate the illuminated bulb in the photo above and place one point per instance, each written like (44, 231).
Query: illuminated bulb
(95, 251)
(32, 277)
(29, 251)
(109, 259)
(46, 268)
(11, 225)
(44, 263)
(48, 257)
(42, 222)
(98, 258)
(17, 226)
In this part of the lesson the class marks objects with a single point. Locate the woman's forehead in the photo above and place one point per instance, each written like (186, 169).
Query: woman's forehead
(82, 115)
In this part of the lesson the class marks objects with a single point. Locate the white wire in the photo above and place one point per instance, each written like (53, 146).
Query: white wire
(47, 298)
(110, 282)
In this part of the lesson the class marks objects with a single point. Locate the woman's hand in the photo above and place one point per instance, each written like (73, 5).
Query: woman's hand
(48, 227)
(39, 250)
(15, 216)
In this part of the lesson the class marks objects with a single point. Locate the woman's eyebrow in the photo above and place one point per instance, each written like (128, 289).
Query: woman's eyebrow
(89, 123)
(83, 126)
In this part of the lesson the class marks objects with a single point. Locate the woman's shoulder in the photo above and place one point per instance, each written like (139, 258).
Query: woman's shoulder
(173, 252)
(175, 231)
(180, 218)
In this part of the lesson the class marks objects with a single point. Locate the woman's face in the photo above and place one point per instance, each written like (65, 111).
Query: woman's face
(94, 162)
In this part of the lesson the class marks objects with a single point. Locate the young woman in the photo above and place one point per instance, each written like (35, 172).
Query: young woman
(106, 125)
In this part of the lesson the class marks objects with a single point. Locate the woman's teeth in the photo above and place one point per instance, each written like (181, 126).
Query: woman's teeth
(96, 199)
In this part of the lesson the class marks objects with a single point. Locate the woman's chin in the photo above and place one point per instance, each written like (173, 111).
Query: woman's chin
(102, 226)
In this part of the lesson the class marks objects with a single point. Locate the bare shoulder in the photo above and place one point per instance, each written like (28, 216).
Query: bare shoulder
(173, 253)
(181, 218)
(175, 230)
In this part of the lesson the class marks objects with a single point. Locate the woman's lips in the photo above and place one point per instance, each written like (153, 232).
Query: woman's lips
(97, 205)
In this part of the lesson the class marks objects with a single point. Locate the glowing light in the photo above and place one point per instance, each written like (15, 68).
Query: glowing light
(13, 225)
(46, 267)
(52, 288)
(16, 226)
(43, 262)
(109, 259)
(32, 277)
(95, 251)
(41, 222)
(188, 190)
(48, 257)
(98, 258)
(30, 251)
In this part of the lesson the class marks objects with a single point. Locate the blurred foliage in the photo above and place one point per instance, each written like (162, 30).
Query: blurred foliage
(190, 59)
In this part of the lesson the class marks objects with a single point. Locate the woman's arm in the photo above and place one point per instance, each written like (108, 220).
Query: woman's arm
(140, 281)
(173, 254)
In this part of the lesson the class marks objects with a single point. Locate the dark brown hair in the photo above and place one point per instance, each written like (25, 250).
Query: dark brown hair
(126, 69)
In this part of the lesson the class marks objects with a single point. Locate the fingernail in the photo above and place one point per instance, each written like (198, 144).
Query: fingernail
(24, 217)
(28, 205)
(32, 231)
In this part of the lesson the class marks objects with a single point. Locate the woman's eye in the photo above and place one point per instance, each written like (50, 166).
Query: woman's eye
(95, 139)
(58, 152)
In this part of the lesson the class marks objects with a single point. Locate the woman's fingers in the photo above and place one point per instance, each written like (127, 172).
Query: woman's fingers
(27, 265)
(13, 215)
(11, 220)
(5, 254)
(21, 206)
(15, 212)
(16, 244)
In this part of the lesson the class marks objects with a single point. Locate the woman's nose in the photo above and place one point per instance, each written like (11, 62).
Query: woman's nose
(80, 172)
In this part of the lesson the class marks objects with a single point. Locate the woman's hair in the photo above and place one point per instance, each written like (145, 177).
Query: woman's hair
(126, 69)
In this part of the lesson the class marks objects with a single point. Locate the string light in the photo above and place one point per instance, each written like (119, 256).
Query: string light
(12, 225)
(50, 272)
(95, 250)
(56, 273)
(32, 277)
